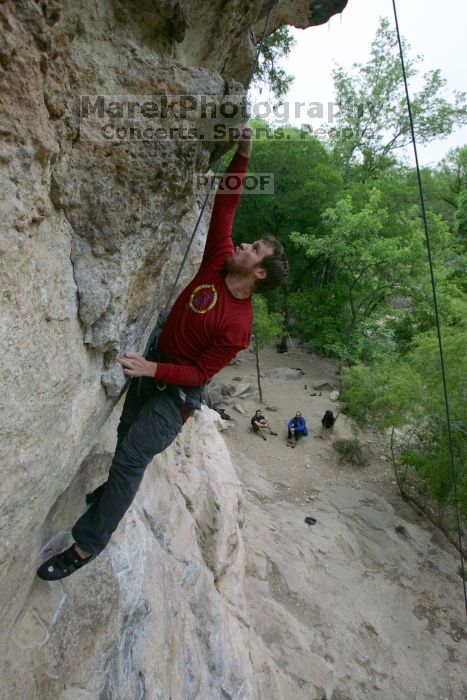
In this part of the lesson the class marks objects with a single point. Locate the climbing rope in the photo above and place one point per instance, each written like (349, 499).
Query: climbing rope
(155, 333)
(435, 302)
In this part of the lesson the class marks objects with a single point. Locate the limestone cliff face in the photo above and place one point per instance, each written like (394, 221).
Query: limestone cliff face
(91, 235)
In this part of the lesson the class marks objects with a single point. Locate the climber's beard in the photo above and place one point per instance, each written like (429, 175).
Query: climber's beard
(234, 265)
(230, 266)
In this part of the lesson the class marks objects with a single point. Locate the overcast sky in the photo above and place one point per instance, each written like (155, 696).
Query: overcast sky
(435, 29)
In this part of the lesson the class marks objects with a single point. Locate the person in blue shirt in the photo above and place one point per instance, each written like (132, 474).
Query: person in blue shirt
(296, 429)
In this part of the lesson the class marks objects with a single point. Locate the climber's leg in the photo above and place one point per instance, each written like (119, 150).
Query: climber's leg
(135, 397)
(155, 428)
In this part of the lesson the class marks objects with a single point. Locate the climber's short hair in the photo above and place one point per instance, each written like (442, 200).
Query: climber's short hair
(276, 266)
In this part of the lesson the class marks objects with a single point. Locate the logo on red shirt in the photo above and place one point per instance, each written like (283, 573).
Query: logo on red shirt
(203, 298)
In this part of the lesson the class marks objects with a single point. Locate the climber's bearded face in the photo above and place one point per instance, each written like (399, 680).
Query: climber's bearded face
(247, 257)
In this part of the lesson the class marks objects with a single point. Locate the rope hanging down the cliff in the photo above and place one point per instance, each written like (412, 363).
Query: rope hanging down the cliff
(435, 302)
(154, 336)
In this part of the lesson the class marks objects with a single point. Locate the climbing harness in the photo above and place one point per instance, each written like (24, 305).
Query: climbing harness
(435, 302)
(151, 345)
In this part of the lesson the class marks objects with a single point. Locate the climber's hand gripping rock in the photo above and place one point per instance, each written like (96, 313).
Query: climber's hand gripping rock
(135, 365)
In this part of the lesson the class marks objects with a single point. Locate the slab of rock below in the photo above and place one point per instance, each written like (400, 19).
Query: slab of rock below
(334, 395)
(322, 676)
(221, 425)
(324, 385)
(173, 571)
(284, 373)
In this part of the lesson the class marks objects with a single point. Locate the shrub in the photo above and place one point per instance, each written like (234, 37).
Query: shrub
(351, 451)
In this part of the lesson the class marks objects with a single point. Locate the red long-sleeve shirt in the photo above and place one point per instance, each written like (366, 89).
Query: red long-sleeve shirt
(207, 325)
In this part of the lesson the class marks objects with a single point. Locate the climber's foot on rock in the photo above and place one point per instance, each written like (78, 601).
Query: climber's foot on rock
(64, 564)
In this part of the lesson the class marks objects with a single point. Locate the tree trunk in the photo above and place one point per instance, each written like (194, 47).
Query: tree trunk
(257, 369)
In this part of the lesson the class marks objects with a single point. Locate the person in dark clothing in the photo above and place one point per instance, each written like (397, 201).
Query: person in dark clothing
(282, 345)
(206, 327)
(328, 420)
(260, 424)
(296, 429)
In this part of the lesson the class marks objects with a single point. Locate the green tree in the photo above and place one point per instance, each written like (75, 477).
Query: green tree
(373, 122)
(268, 71)
(405, 398)
(372, 260)
(461, 216)
(453, 175)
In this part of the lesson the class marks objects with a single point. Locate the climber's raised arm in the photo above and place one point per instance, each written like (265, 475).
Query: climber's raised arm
(219, 240)
(245, 144)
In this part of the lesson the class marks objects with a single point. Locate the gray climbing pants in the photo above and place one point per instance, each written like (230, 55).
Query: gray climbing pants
(150, 422)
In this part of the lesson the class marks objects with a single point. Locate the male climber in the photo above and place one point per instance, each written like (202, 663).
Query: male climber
(207, 326)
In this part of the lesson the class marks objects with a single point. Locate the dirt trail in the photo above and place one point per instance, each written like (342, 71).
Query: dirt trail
(372, 587)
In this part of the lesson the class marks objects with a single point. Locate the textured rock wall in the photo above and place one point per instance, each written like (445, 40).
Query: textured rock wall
(91, 235)
(161, 612)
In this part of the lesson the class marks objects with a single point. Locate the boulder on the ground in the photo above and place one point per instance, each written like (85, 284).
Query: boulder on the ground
(284, 373)
(333, 396)
(242, 389)
(324, 385)
(345, 428)
(218, 392)
(215, 394)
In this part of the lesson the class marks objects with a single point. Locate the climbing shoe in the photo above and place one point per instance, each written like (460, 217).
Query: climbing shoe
(62, 565)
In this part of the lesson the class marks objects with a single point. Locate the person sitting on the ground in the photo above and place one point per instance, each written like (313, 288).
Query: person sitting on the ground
(328, 420)
(296, 429)
(259, 424)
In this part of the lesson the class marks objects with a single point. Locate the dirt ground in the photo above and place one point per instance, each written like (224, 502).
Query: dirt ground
(372, 587)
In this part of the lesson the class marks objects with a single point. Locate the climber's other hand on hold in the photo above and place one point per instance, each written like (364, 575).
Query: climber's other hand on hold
(135, 365)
